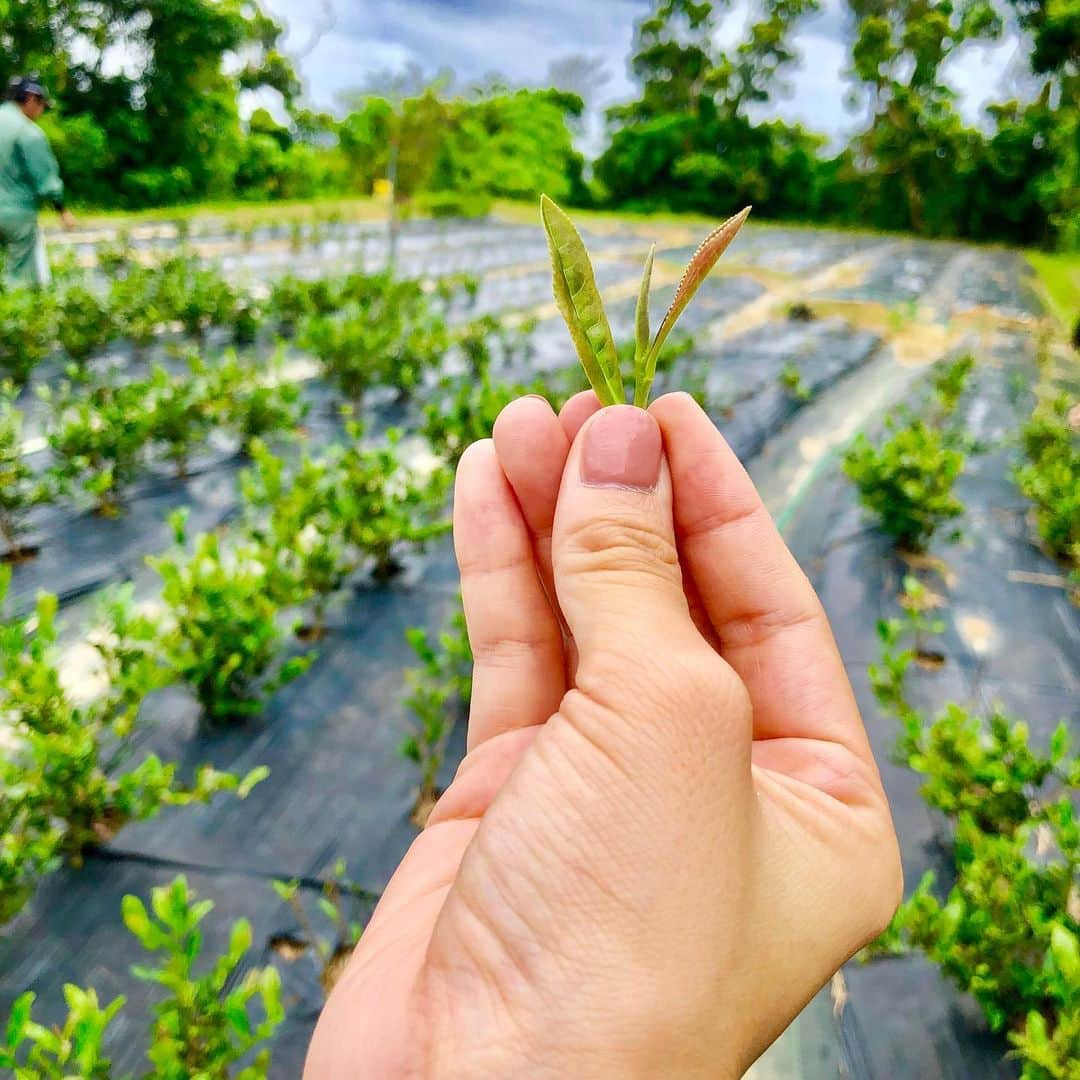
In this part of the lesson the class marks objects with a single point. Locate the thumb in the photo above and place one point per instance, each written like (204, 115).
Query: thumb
(615, 562)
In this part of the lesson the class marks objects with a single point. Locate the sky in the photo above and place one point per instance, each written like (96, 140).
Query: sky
(341, 44)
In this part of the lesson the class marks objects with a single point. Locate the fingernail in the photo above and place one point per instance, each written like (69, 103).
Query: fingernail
(622, 448)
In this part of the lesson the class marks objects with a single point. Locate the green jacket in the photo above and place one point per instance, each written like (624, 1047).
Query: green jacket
(29, 174)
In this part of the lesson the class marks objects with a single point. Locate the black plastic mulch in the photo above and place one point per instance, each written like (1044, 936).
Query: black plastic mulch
(900, 272)
(747, 399)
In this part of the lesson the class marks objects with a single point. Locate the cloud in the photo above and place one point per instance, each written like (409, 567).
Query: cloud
(520, 38)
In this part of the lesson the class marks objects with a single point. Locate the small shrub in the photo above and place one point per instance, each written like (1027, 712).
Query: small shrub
(34, 1052)
(246, 319)
(254, 400)
(903, 641)
(85, 323)
(322, 519)
(336, 904)
(949, 382)
(387, 334)
(65, 786)
(907, 481)
(1005, 933)
(791, 381)
(115, 257)
(466, 412)
(290, 303)
(301, 516)
(393, 506)
(206, 1026)
(348, 346)
(27, 331)
(136, 305)
(98, 434)
(1051, 479)
(800, 311)
(20, 489)
(225, 639)
(199, 297)
(437, 691)
(488, 343)
(182, 411)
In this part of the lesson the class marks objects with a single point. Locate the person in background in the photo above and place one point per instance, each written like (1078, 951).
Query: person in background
(29, 176)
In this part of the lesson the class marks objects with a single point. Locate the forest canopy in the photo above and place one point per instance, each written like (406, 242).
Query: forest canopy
(148, 112)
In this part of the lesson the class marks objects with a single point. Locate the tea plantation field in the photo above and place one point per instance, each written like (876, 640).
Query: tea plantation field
(231, 645)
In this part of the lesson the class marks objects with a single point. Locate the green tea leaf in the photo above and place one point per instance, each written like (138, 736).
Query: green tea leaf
(641, 333)
(714, 245)
(580, 304)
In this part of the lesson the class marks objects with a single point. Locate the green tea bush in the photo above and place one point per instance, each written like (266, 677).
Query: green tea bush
(199, 297)
(466, 411)
(437, 691)
(320, 520)
(489, 343)
(388, 333)
(67, 784)
(791, 381)
(907, 481)
(224, 636)
(301, 516)
(98, 434)
(290, 303)
(247, 317)
(254, 400)
(20, 488)
(393, 506)
(336, 905)
(28, 324)
(210, 1025)
(114, 257)
(34, 1052)
(1051, 478)
(949, 382)
(137, 307)
(85, 322)
(1007, 932)
(349, 347)
(182, 411)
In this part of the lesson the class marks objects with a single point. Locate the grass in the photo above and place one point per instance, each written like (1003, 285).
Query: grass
(353, 208)
(1059, 282)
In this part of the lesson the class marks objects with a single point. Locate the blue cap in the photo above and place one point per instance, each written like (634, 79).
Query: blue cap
(24, 85)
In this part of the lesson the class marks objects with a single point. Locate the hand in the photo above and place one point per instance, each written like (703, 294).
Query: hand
(668, 830)
(67, 219)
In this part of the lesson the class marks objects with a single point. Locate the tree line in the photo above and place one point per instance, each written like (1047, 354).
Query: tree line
(164, 125)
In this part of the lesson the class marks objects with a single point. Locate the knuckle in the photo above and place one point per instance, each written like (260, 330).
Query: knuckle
(689, 685)
(620, 545)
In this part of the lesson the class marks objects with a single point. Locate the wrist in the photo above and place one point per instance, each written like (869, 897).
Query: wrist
(588, 1041)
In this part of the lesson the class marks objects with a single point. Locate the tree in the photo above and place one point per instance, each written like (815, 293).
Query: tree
(916, 143)
(169, 129)
(688, 142)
